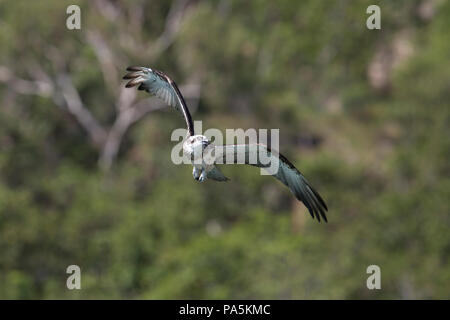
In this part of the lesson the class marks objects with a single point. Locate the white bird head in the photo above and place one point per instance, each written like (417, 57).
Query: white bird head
(194, 146)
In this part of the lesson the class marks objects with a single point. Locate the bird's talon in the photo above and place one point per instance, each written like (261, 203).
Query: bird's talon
(202, 176)
(196, 173)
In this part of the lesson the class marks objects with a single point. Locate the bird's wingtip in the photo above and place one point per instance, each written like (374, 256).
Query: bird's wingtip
(135, 68)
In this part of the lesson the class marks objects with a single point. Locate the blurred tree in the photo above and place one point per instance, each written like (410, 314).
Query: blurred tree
(364, 114)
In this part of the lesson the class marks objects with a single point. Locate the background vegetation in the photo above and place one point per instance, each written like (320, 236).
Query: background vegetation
(85, 170)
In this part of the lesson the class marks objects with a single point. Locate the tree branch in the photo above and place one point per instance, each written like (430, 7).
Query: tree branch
(70, 98)
(78, 110)
(21, 86)
(128, 115)
(105, 57)
(171, 28)
(64, 93)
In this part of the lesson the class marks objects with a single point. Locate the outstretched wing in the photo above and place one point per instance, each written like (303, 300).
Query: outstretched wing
(160, 85)
(261, 156)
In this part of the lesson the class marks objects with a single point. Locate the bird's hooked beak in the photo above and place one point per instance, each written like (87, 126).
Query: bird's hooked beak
(205, 143)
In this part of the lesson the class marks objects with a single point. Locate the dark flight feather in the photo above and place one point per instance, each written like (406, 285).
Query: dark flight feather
(160, 85)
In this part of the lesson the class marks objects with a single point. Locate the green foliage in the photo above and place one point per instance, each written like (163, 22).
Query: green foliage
(147, 230)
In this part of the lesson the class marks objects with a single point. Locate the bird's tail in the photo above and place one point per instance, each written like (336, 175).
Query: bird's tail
(216, 174)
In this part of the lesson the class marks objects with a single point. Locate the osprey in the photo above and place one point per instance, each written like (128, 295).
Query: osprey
(196, 146)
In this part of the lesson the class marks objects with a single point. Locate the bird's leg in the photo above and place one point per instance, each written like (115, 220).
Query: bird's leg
(202, 176)
(196, 173)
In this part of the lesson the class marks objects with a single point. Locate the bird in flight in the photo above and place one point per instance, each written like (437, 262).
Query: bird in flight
(204, 155)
